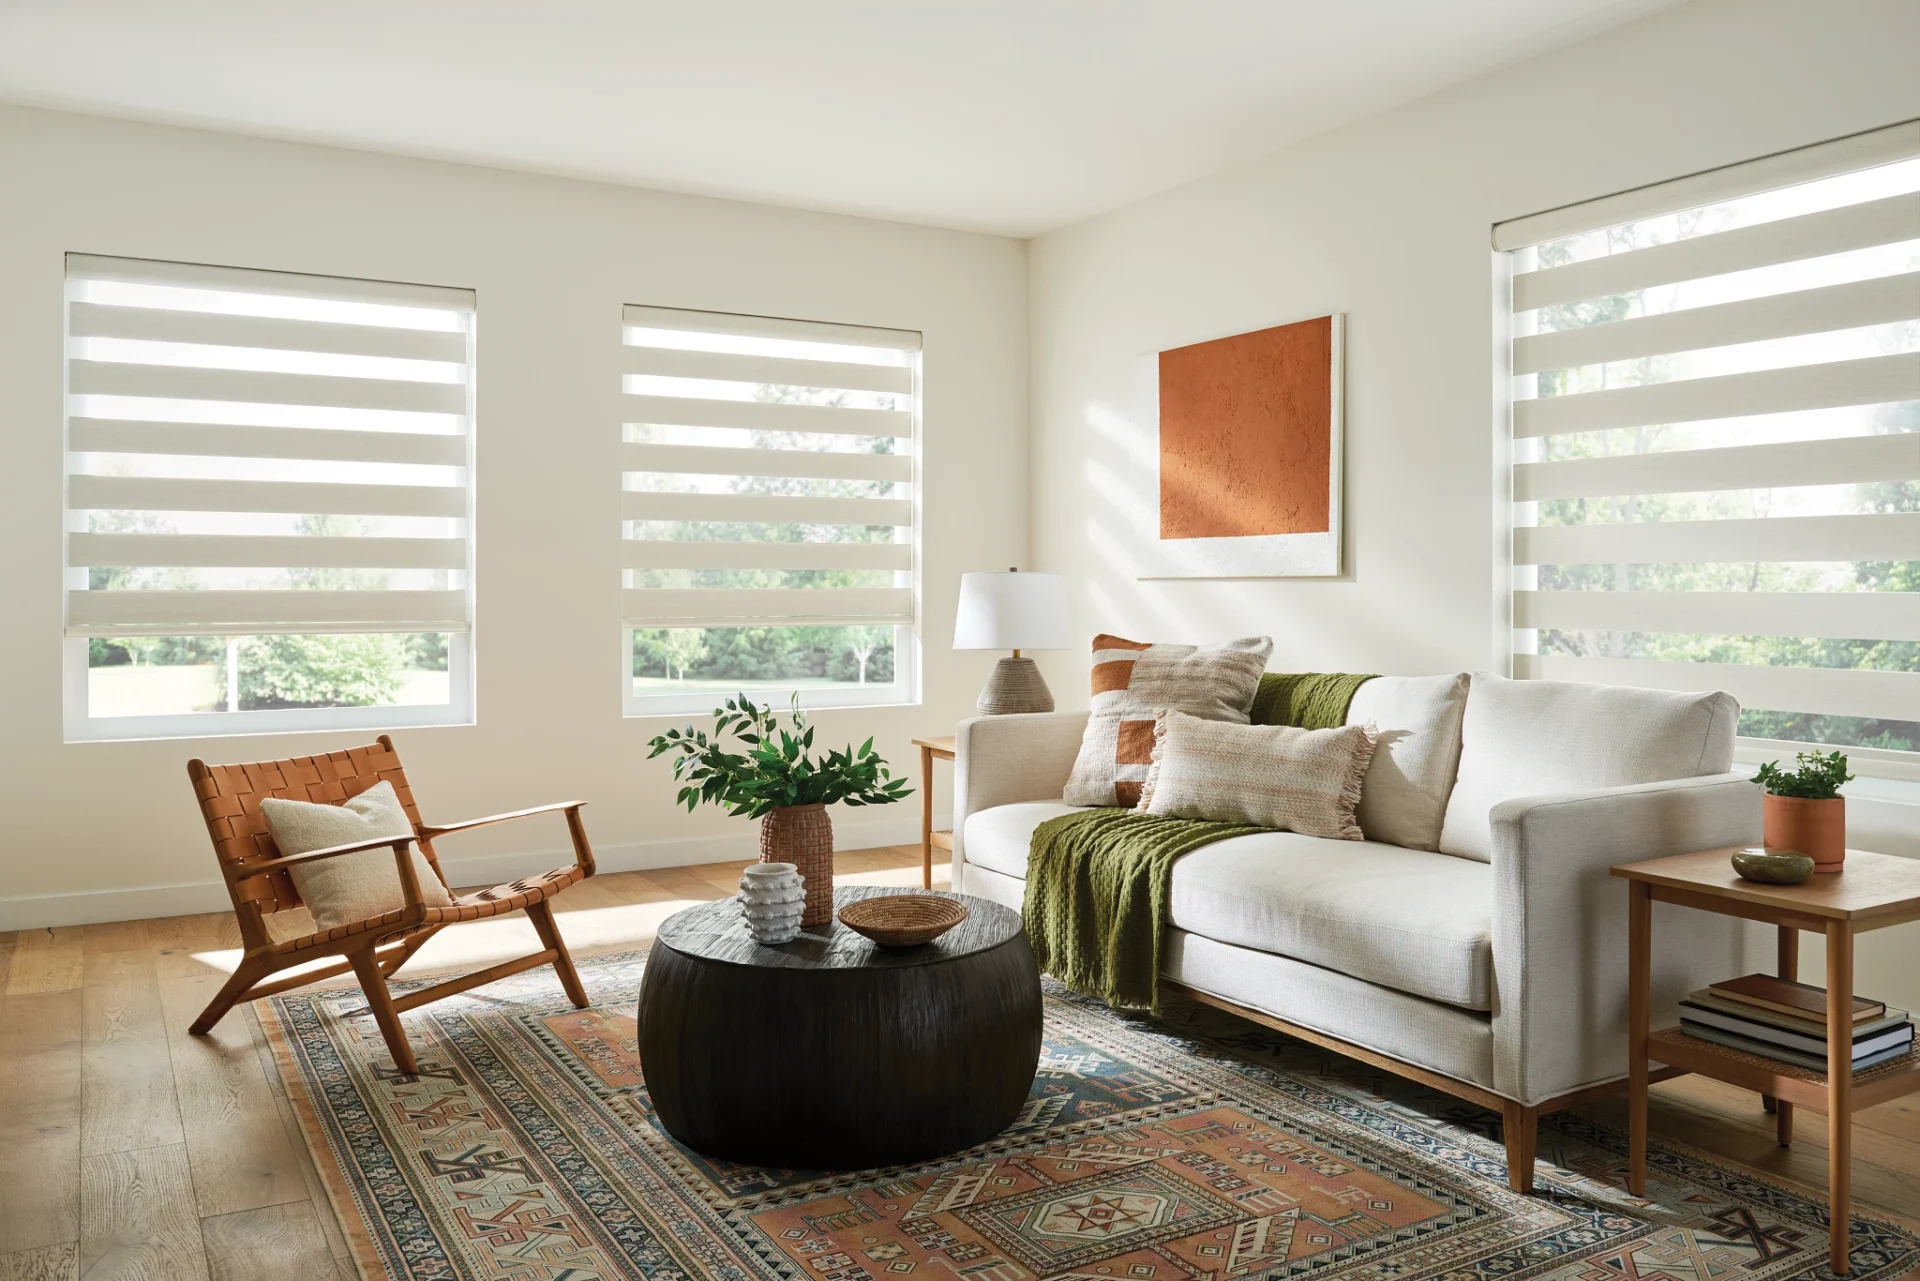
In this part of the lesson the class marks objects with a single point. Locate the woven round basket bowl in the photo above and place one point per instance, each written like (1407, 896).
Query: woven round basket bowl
(903, 920)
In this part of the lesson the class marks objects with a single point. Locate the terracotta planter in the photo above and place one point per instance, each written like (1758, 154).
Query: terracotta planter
(1817, 828)
(803, 836)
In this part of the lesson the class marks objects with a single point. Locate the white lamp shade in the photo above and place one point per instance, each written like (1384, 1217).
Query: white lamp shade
(1011, 611)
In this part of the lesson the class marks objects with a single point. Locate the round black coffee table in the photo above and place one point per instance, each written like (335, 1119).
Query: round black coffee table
(830, 1052)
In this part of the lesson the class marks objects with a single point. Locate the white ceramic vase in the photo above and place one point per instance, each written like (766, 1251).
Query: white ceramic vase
(773, 898)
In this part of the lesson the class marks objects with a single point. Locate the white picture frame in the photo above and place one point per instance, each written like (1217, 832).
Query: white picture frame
(1308, 555)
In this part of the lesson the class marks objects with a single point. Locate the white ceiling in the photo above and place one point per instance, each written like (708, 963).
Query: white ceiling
(1002, 115)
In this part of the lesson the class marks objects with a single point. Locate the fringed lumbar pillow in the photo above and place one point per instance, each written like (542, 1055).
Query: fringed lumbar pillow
(1298, 780)
(1133, 682)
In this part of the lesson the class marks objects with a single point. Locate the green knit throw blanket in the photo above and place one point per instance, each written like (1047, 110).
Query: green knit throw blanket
(1311, 700)
(1099, 881)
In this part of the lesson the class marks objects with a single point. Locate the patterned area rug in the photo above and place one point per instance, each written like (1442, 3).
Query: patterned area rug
(1187, 1148)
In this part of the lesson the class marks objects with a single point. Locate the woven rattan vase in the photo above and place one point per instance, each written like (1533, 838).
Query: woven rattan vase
(803, 836)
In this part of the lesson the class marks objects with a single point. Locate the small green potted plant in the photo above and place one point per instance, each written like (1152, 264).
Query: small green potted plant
(1803, 809)
(772, 775)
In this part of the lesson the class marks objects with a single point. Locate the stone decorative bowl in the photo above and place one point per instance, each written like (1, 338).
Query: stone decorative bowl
(1773, 867)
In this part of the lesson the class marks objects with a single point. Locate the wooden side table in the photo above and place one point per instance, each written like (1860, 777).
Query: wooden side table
(930, 840)
(1872, 892)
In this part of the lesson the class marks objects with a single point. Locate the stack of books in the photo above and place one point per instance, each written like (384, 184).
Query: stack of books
(1783, 1020)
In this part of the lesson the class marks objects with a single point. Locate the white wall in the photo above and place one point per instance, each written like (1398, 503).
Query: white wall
(110, 831)
(1388, 221)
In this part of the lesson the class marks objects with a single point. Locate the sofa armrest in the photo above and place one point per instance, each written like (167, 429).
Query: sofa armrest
(1001, 760)
(1560, 922)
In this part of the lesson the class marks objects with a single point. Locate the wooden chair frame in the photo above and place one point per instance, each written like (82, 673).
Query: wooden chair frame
(257, 881)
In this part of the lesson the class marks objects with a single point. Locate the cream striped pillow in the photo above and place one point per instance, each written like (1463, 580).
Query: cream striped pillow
(1298, 780)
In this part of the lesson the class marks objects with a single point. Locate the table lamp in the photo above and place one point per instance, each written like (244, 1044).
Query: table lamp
(1013, 611)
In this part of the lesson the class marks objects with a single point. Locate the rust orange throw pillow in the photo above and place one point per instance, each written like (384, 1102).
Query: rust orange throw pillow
(1133, 683)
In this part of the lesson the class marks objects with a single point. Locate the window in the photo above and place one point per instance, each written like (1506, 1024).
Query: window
(268, 508)
(768, 504)
(1716, 441)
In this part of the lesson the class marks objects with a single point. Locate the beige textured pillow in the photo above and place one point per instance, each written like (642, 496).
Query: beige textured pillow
(351, 887)
(1298, 780)
(1133, 682)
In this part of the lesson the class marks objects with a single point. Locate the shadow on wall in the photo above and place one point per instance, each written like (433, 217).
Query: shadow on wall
(1122, 506)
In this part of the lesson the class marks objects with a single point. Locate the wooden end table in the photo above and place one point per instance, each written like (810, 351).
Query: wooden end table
(1872, 892)
(930, 840)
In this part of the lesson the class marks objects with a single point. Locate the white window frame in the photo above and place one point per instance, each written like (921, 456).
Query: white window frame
(1895, 775)
(906, 681)
(461, 707)
(905, 688)
(81, 728)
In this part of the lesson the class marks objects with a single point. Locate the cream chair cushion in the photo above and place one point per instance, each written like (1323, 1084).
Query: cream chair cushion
(1540, 738)
(352, 887)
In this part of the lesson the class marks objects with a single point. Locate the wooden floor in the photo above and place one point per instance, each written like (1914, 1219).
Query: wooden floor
(129, 1149)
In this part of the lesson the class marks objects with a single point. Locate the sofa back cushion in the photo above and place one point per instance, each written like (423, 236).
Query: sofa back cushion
(1417, 749)
(1535, 738)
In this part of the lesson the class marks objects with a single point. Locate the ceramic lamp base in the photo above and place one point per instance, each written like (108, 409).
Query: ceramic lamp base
(1015, 686)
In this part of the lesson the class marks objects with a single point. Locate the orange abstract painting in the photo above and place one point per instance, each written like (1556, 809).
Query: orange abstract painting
(1246, 434)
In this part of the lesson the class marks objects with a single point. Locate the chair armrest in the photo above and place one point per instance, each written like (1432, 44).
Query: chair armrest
(248, 871)
(576, 830)
(1560, 922)
(402, 859)
(1000, 760)
(429, 831)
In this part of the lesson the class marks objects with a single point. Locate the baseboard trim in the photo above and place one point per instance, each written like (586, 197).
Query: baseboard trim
(94, 907)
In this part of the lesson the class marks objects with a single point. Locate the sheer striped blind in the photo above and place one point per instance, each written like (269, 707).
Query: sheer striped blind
(1716, 426)
(255, 452)
(767, 471)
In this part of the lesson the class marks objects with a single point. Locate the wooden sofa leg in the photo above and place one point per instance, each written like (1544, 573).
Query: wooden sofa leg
(237, 985)
(1522, 1127)
(374, 984)
(541, 914)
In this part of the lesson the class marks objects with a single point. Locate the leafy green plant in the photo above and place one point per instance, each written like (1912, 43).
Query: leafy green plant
(322, 671)
(1820, 776)
(777, 768)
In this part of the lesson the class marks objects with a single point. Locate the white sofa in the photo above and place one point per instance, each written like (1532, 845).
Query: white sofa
(1474, 940)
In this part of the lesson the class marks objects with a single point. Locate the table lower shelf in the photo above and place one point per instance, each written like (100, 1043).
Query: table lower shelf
(1800, 1085)
(941, 840)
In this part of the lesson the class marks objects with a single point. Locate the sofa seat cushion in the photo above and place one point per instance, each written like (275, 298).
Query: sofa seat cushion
(1414, 921)
(1001, 837)
(1417, 922)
